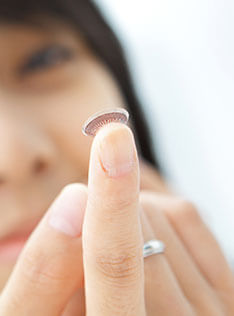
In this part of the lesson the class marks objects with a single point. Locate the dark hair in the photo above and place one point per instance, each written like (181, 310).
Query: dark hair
(85, 16)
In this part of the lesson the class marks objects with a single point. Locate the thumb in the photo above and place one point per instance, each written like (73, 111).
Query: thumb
(49, 269)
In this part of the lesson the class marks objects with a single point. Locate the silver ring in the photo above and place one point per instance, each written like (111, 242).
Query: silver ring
(153, 247)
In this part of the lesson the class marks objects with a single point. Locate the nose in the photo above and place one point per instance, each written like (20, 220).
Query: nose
(25, 151)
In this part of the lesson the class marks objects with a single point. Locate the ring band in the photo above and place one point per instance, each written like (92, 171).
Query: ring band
(153, 247)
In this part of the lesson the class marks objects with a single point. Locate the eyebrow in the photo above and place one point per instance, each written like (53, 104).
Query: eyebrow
(38, 22)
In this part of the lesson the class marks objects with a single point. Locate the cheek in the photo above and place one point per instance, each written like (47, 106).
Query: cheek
(65, 128)
(64, 112)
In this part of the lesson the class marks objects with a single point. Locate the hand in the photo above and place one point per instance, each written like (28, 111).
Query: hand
(192, 277)
(183, 281)
(48, 271)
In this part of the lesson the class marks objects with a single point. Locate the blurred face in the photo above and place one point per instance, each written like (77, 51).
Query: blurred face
(50, 83)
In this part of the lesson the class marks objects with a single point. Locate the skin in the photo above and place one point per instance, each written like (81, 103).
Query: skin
(40, 113)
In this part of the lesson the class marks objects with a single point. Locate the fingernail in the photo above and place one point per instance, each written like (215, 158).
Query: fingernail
(117, 150)
(67, 211)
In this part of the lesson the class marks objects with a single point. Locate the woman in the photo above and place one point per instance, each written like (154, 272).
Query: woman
(60, 63)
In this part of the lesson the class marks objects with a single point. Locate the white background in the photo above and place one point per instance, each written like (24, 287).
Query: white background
(181, 55)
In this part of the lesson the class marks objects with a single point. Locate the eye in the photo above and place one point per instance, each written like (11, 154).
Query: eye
(47, 57)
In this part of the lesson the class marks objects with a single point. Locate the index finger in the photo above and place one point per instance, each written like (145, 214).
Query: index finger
(112, 237)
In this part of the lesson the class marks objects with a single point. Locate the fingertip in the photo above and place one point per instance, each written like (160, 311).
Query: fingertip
(112, 130)
(67, 212)
(114, 150)
(75, 187)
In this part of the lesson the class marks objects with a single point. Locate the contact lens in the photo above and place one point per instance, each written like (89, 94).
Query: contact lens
(99, 119)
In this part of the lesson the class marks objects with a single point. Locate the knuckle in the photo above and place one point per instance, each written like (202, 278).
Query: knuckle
(121, 201)
(150, 204)
(114, 202)
(125, 265)
(183, 210)
(118, 307)
(41, 271)
(176, 209)
(146, 196)
(153, 212)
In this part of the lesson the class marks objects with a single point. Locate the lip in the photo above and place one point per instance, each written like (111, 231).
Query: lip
(11, 245)
(11, 248)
